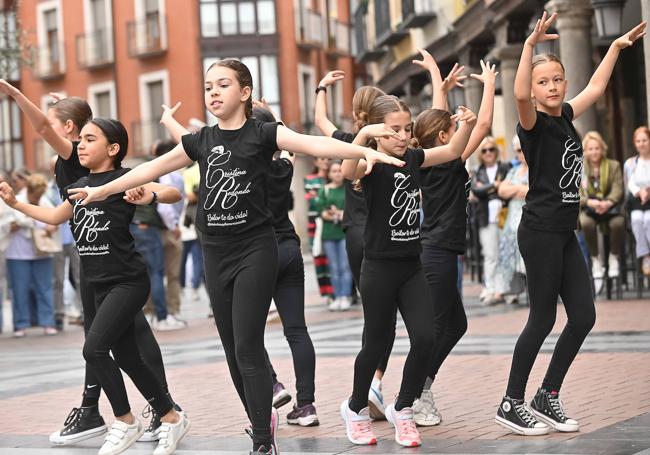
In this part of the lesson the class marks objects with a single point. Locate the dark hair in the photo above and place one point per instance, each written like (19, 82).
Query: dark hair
(243, 77)
(263, 114)
(115, 134)
(428, 126)
(163, 147)
(73, 108)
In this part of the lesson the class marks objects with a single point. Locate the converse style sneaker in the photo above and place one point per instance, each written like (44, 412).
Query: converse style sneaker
(151, 432)
(357, 426)
(406, 433)
(548, 408)
(120, 437)
(170, 434)
(515, 416)
(305, 416)
(425, 413)
(81, 424)
(280, 395)
(376, 402)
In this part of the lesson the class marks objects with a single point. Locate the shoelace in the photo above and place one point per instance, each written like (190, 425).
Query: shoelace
(522, 411)
(147, 411)
(407, 428)
(361, 428)
(557, 406)
(115, 435)
(72, 416)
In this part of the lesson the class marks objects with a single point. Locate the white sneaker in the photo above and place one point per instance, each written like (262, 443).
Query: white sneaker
(376, 403)
(425, 412)
(120, 437)
(168, 324)
(613, 271)
(334, 305)
(357, 426)
(170, 434)
(484, 294)
(177, 320)
(195, 294)
(597, 270)
(406, 433)
(345, 303)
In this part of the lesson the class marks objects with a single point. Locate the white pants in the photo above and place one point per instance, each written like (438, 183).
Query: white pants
(641, 228)
(489, 236)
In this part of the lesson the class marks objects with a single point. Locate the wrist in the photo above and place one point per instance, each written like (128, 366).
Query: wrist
(154, 198)
(321, 88)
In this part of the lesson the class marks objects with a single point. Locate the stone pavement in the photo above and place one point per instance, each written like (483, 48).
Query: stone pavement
(607, 389)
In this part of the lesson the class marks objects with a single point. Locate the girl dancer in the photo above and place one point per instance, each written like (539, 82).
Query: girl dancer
(391, 274)
(114, 281)
(61, 129)
(554, 264)
(238, 241)
(444, 197)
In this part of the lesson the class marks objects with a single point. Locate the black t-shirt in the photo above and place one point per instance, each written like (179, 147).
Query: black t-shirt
(67, 172)
(234, 166)
(280, 198)
(393, 199)
(445, 189)
(356, 212)
(553, 152)
(101, 232)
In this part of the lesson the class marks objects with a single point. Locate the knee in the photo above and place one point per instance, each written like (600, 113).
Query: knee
(92, 351)
(461, 328)
(249, 358)
(582, 324)
(295, 333)
(588, 224)
(423, 342)
(541, 326)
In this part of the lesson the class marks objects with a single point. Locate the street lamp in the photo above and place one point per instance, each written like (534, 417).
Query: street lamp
(609, 15)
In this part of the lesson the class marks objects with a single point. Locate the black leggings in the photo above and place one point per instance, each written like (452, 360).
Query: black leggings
(240, 278)
(289, 297)
(111, 328)
(385, 285)
(554, 266)
(450, 324)
(354, 247)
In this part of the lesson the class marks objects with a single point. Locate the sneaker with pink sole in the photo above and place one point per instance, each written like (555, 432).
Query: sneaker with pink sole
(406, 433)
(357, 426)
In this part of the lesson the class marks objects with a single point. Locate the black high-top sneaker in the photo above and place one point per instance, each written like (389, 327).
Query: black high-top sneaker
(548, 408)
(81, 424)
(151, 433)
(515, 416)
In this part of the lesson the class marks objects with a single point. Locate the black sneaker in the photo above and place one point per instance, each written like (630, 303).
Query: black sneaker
(151, 433)
(515, 416)
(81, 424)
(305, 416)
(548, 408)
(272, 448)
(280, 395)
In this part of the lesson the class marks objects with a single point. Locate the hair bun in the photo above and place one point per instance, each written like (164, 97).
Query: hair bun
(363, 116)
(415, 143)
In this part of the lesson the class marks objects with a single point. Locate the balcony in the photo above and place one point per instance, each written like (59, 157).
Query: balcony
(339, 38)
(148, 37)
(386, 35)
(48, 62)
(95, 49)
(144, 134)
(416, 13)
(363, 53)
(309, 28)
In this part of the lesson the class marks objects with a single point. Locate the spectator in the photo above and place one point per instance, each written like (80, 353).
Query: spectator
(171, 236)
(331, 203)
(514, 189)
(5, 231)
(26, 269)
(601, 193)
(639, 187)
(191, 246)
(485, 184)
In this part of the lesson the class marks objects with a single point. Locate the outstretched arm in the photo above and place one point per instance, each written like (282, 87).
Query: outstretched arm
(48, 215)
(173, 126)
(320, 116)
(598, 82)
(486, 111)
(143, 195)
(39, 121)
(458, 143)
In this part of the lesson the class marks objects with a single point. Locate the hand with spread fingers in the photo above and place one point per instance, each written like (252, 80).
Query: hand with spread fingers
(488, 75)
(539, 35)
(630, 37)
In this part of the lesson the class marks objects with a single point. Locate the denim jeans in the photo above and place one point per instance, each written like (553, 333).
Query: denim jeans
(148, 242)
(339, 267)
(34, 275)
(192, 247)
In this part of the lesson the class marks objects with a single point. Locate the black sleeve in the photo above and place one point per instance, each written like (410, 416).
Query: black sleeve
(417, 156)
(567, 111)
(268, 134)
(191, 144)
(344, 136)
(540, 124)
(83, 181)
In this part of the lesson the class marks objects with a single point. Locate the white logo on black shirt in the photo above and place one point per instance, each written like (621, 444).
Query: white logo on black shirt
(572, 164)
(407, 209)
(224, 189)
(87, 226)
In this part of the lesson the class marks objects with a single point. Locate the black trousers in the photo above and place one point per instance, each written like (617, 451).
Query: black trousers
(387, 284)
(554, 267)
(289, 297)
(354, 247)
(450, 323)
(111, 328)
(240, 277)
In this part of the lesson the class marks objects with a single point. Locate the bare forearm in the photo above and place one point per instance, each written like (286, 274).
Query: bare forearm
(53, 216)
(523, 78)
(175, 128)
(320, 115)
(603, 73)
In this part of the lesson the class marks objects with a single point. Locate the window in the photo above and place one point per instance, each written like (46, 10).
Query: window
(95, 47)
(11, 146)
(102, 99)
(237, 17)
(306, 84)
(50, 59)
(147, 35)
(154, 92)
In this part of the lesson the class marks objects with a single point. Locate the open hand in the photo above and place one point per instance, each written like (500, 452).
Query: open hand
(630, 37)
(373, 156)
(331, 78)
(465, 115)
(7, 194)
(488, 75)
(87, 194)
(454, 78)
(429, 64)
(377, 130)
(539, 34)
(169, 112)
(57, 96)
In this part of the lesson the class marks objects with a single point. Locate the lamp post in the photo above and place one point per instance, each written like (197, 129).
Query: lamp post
(608, 14)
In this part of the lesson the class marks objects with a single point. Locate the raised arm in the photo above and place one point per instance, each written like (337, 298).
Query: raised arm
(523, 78)
(320, 116)
(141, 175)
(598, 82)
(48, 215)
(485, 112)
(173, 126)
(39, 121)
(353, 169)
(458, 143)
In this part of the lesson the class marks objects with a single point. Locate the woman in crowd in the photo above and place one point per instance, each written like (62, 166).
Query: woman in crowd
(639, 187)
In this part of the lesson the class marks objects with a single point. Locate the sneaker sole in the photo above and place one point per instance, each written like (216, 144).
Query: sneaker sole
(281, 400)
(376, 413)
(561, 427)
(79, 437)
(311, 421)
(350, 438)
(520, 430)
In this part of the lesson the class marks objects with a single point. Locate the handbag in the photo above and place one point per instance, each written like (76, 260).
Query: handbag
(502, 216)
(44, 244)
(611, 213)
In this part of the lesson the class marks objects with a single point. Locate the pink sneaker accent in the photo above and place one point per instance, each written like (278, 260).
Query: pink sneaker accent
(357, 426)
(406, 432)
